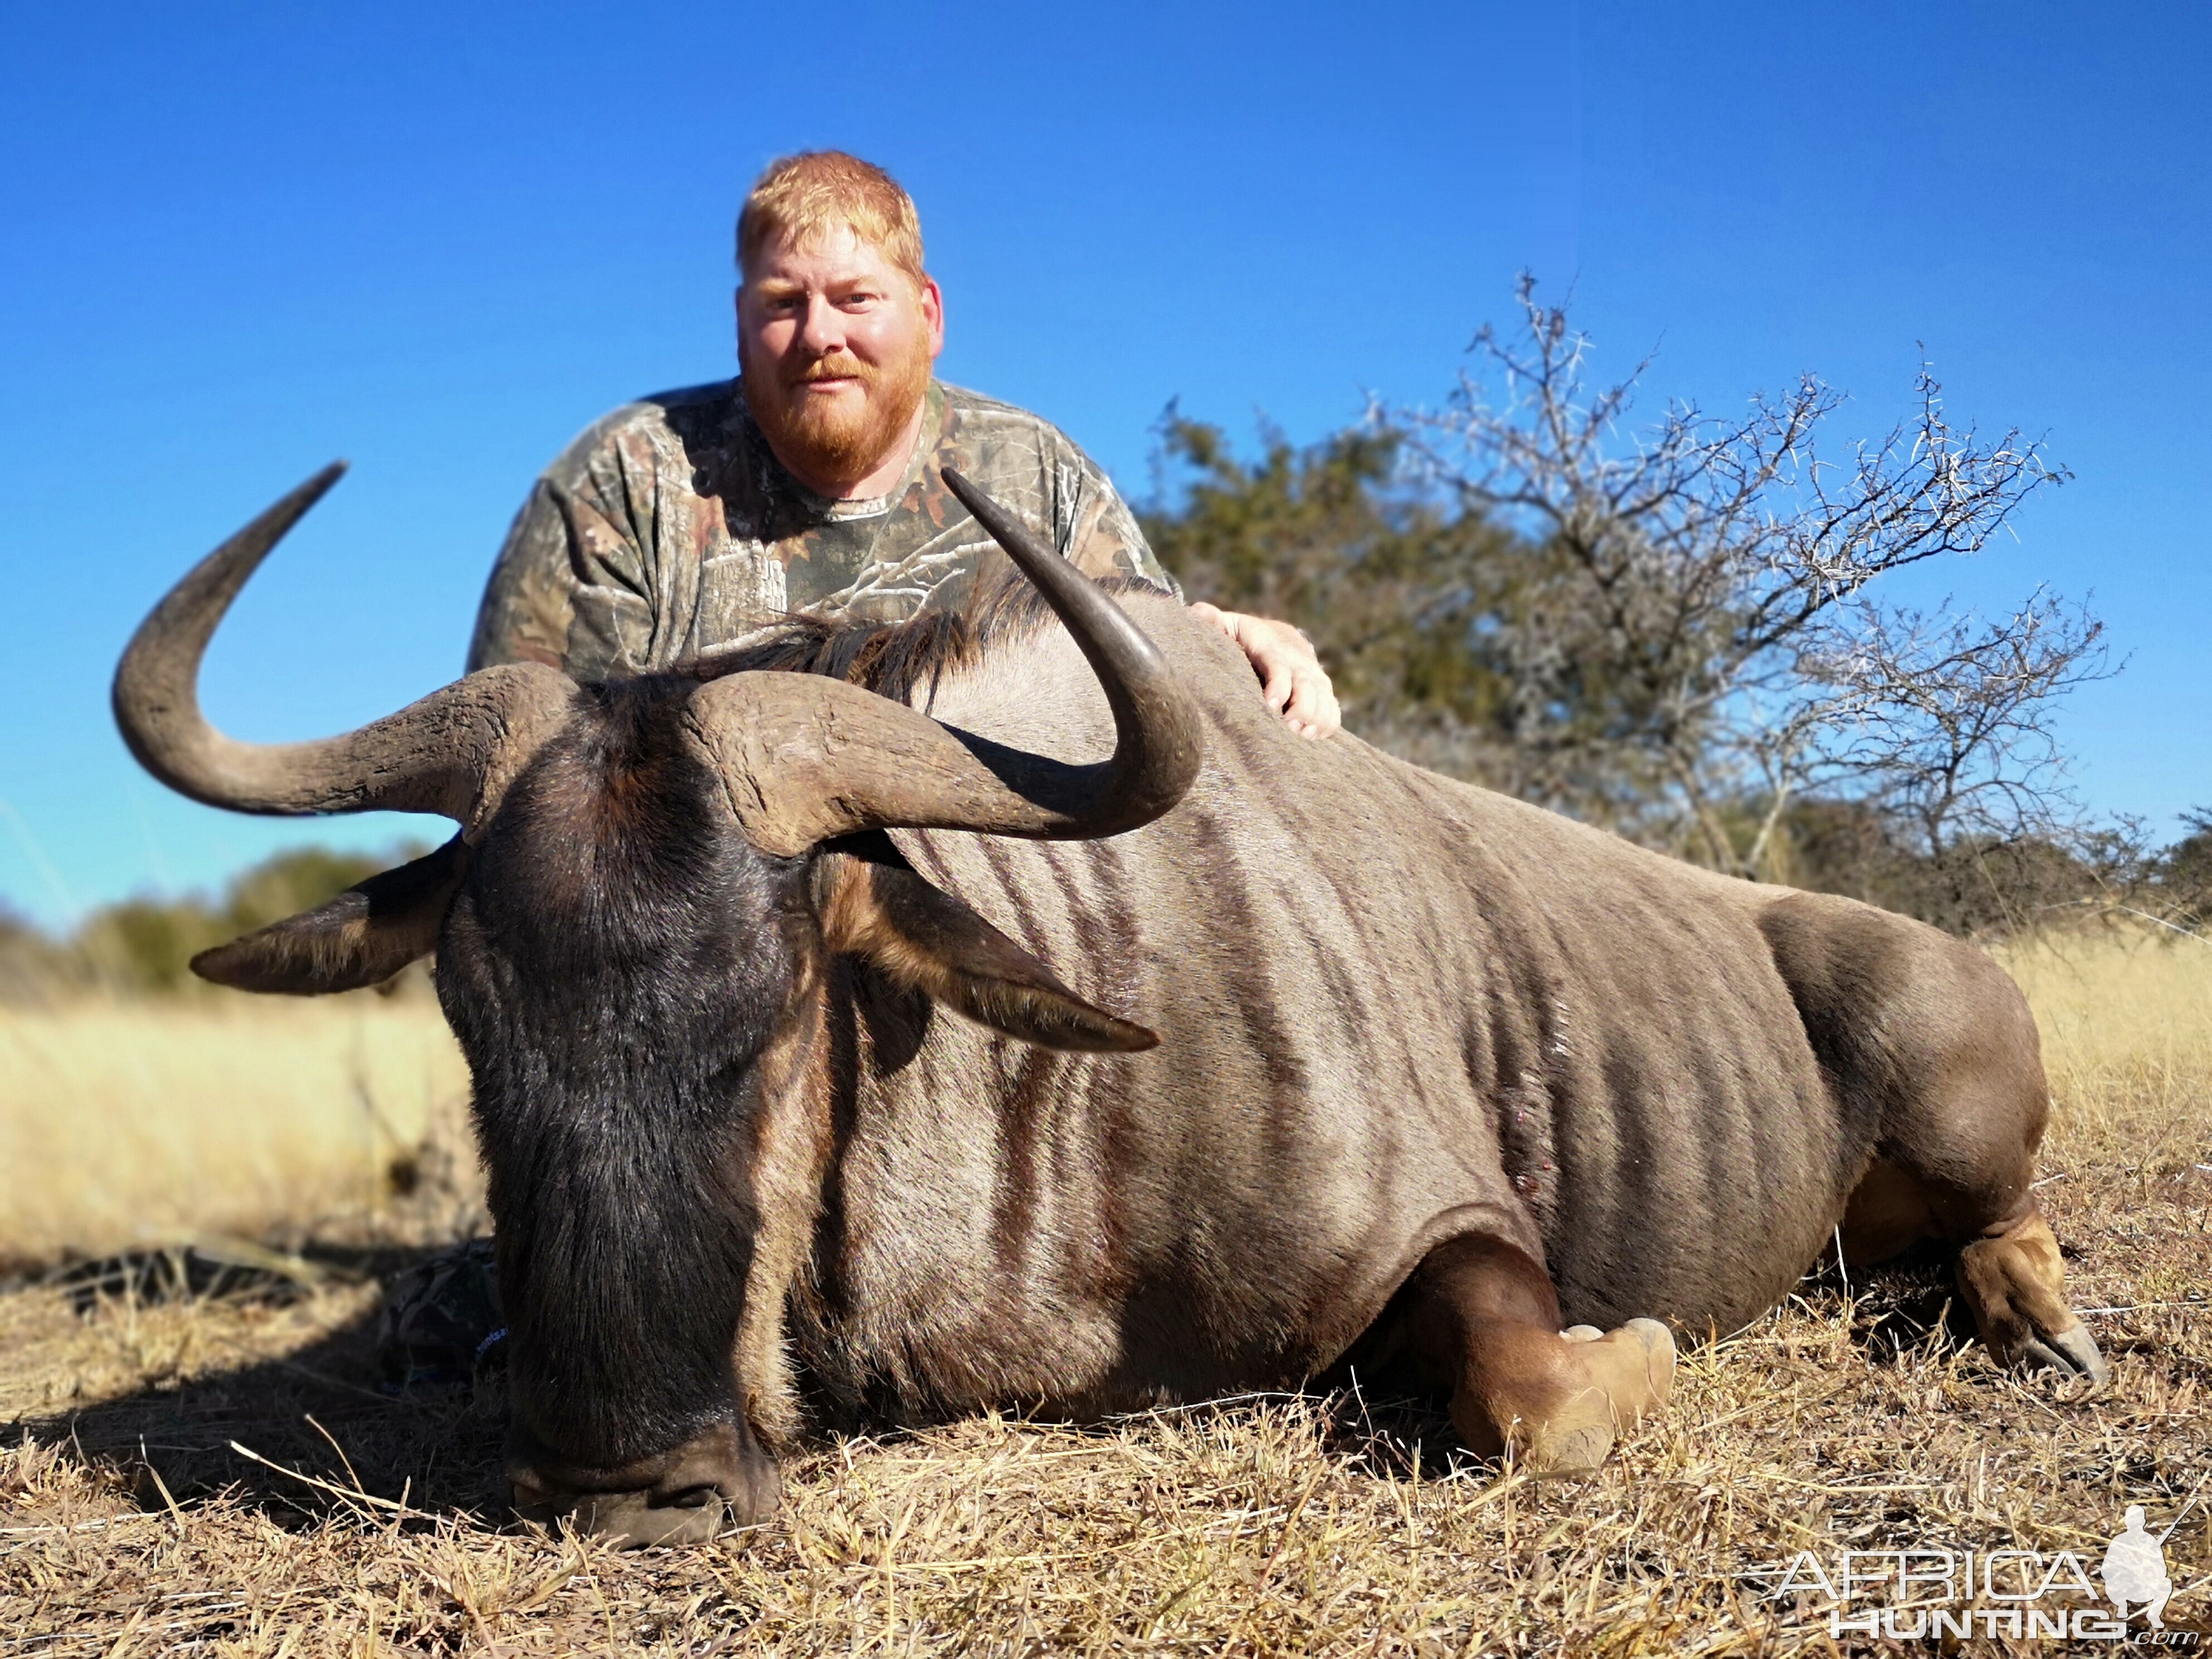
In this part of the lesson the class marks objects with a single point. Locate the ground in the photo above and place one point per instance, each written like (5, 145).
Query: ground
(199, 1458)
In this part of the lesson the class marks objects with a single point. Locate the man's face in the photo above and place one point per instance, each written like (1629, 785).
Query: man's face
(836, 343)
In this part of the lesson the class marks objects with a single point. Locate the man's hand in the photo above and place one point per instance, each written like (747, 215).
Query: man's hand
(1292, 679)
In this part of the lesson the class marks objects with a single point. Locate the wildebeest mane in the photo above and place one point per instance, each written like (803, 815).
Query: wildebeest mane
(896, 660)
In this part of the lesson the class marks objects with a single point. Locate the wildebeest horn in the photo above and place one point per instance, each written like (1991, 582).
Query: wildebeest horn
(808, 759)
(453, 752)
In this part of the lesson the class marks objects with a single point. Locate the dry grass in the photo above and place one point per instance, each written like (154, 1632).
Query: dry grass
(2127, 1037)
(128, 1525)
(149, 1123)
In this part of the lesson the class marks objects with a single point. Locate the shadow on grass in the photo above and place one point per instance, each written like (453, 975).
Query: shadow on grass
(325, 1438)
(322, 1439)
(1908, 1304)
(328, 1439)
(1383, 1428)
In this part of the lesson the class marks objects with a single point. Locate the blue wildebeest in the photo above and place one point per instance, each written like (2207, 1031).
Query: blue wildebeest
(785, 1115)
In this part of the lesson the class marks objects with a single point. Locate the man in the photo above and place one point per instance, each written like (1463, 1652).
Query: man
(681, 525)
(684, 524)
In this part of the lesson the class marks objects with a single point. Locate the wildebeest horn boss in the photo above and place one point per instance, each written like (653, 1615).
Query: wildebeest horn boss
(1438, 1071)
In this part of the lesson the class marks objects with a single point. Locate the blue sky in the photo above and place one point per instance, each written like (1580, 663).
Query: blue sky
(241, 239)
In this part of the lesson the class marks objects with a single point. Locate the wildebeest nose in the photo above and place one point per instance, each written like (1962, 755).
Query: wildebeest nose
(722, 1481)
(638, 1520)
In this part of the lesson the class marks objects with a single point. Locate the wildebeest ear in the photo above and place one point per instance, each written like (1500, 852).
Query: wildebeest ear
(362, 937)
(874, 906)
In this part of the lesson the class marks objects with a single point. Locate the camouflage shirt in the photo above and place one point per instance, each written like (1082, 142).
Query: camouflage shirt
(669, 530)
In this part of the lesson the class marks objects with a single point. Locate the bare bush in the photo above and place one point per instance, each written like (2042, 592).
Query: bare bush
(1694, 626)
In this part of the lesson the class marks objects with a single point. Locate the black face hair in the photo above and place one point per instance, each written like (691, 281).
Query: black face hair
(614, 966)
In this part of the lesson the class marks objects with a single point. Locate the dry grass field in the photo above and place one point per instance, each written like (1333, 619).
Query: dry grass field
(212, 1117)
(197, 1460)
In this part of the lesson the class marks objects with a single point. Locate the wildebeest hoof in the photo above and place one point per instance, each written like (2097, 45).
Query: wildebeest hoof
(1565, 1451)
(2014, 1283)
(1624, 1375)
(1658, 1344)
(2073, 1352)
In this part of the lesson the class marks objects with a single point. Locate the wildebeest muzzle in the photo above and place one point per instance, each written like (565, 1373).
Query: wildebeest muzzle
(718, 1481)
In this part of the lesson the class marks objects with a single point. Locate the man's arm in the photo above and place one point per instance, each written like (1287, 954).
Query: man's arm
(528, 603)
(1100, 537)
(568, 587)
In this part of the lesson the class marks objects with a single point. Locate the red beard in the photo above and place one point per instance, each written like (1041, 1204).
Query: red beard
(831, 440)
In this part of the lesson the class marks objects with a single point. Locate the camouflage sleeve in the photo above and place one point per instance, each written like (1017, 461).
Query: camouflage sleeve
(1097, 532)
(569, 588)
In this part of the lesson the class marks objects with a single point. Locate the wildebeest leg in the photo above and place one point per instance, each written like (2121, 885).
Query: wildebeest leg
(2015, 1284)
(1928, 1041)
(1484, 1314)
(2009, 1270)
(1966, 1113)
